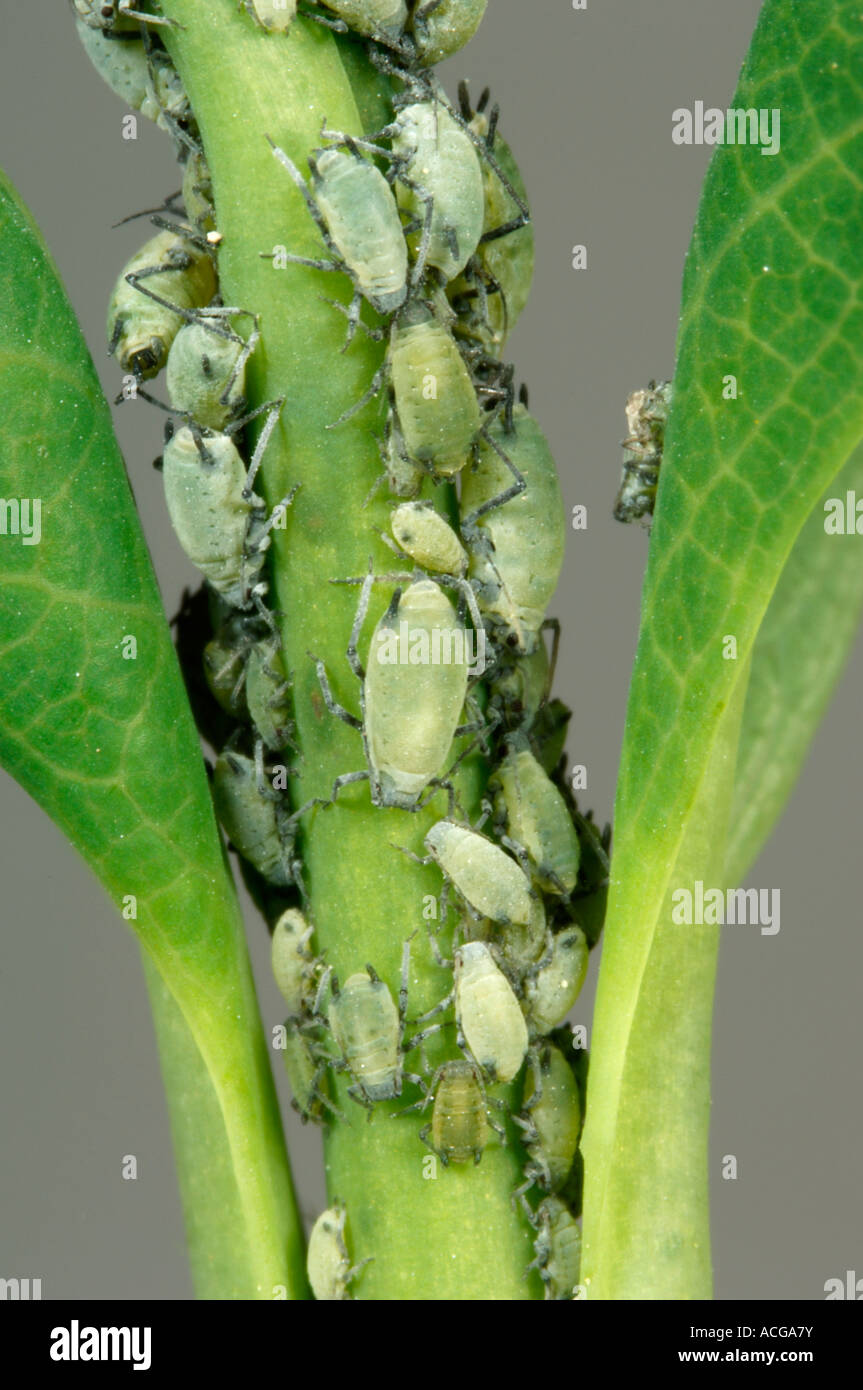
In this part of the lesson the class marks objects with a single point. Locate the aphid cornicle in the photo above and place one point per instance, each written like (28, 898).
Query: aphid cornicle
(558, 1248)
(293, 964)
(537, 818)
(275, 15)
(141, 330)
(491, 883)
(516, 548)
(328, 1263)
(553, 985)
(551, 1117)
(368, 1030)
(646, 418)
(205, 375)
(488, 1013)
(440, 184)
(459, 1125)
(434, 397)
(250, 818)
(442, 27)
(372, 18)
(428, 538)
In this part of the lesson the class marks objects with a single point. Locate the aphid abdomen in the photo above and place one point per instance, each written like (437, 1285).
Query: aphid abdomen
(539, 820)
(362, 217)
(293, 964)
(554, 984)
(122, 63)
(435, 401)
(249, 819)
(414, 690)
(488, 1013)
(493, 884)
(459, 1121)
(441, 31)
(442, 161)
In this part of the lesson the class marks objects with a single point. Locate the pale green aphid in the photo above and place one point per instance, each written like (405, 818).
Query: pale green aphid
(140, 329)
(558, 1248)
(327, 1262)
(537, 818)
(305, 1064)
(551, 1118)
(646, 417)
(386, 18)
(428, 538)
(459, 1125)
(368, 1031)
(358, 217)
(434, 397)
(212, 512)
(275, 15)
(441, 29)
(198, 192)
(491, 883)
(440, 185)
(516, 548)
(488, 1013)
(225, 666)
(294, 965)
(206, 376)
(267, 695)
(114, 14)
(553, 985)
(520, 944)
(250, 817)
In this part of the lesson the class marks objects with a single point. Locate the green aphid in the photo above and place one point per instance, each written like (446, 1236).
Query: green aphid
(488, 1013)
(248, 811)
(519, 686)
(140, 328)
(267, 695)
(551, 1117)
(368, 1030)
(373, 18)
(491, 883)
(440, 185)
(428, 538)
(328, 1263)
(276, 16)
(224, 663)
(459, 1128)
(198, 192)
(206, 374)
(306, 1067)
(294, 966)
(434, 398)
(552, 986)
(558, 1249)
(441, 27)
(537, 818)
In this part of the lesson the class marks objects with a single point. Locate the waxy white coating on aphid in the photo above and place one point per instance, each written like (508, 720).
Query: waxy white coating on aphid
(423, 534)
(248, 818)
(517, 556)
(435, 401)
(490, 881)
(267, 695)
(275, 15)
(538, 819)
(488, 1012)
(327, 1262)
(459, 1127)
(292, 962)
(553, 986)
(436, 154)
(140, 331)
(553, 1115)
(366, 1026)
(209, 512)
(372, 17)
(362, 217)
(446, 29)
(414, 691)
(201, 365)
(558, 1248)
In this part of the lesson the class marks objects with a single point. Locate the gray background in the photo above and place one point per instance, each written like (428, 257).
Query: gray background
(587, 101)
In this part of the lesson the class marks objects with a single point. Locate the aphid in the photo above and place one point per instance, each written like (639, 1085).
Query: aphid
(537, 818)
(141, 329)
(558, 1248)
(206, 374)
(442, 27)
(358, 217)
(646, 417)
(122, 63)
(267, 689)
(440, 184)
(434, 398)
(306, 1064)
(491, 883)
(489, 1018)
(459, 1126)
(294, 965)
(115, 15)
(520, 944)
(516, 547)
(198, 192)
(328, 1263)
(383, 19)
(553, 985)
(253, 818)
(275, 15)
(428, 538)
(369, 1032)
(224, 663)
(551, 1118)
(519, 686)
(167, 92)
(412, 693)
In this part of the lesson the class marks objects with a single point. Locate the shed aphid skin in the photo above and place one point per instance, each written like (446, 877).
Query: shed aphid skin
(254, 818)
(558, 1248)
(116, 15)
(357, 215)
(427, 538)
(552, 986)
(516, 546)
(412, 694)
(442, 27)
(646, 417)
(143, 322)
(276, 16)
(537, 818)
(550, 1119)
(491, 883)
(439, 184)
(369, 1031)
(490, 1021)
(328, 1263)
(295, 967)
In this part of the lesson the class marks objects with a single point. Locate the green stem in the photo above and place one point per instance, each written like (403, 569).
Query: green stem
(454, 1236)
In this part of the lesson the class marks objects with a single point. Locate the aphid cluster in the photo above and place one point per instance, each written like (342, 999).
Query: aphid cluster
(428, 218)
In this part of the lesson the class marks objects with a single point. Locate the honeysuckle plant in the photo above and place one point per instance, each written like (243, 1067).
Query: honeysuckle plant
(96, 723)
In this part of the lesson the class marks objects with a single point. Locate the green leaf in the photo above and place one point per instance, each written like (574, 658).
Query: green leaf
(772, 297)
(94, 723)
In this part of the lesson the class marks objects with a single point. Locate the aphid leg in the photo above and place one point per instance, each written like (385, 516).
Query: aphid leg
(288, 163)
(273, 409)
(517, 487)
(330, 701)
(142, 18)
(369, 394)
(351, 652)
(352, 314)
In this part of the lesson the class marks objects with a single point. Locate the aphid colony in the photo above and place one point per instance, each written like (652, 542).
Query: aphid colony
(429, 220)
